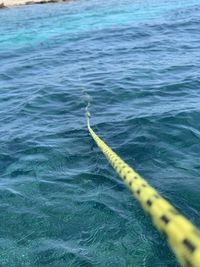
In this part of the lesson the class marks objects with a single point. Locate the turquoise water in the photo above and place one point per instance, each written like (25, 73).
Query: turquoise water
(61, 204)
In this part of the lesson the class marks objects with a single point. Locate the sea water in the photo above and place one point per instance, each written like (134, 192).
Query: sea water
(137, 63)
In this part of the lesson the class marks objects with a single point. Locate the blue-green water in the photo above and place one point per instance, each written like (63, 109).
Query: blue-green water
(61, 204)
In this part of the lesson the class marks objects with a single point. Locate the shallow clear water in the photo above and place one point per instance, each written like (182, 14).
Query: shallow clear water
(61, 204)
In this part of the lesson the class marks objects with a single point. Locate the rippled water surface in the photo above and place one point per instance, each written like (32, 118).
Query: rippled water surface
(138, 63)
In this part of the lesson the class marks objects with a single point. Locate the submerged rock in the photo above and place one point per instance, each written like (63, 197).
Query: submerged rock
(2, 5)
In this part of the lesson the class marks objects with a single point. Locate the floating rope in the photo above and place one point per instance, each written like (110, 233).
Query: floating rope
(182, 236)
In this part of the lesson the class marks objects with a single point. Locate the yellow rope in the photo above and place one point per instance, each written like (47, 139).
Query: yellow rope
(182, 236)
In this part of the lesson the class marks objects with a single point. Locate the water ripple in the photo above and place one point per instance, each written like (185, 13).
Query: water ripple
(61, 204)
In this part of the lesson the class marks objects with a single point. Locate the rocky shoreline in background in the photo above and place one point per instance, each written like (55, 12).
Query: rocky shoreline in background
(10, 3)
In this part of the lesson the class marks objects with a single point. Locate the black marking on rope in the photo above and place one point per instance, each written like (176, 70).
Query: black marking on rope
(191, 247)
(121, 170)
(138, 191)
(165, 219)
(149, 202)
